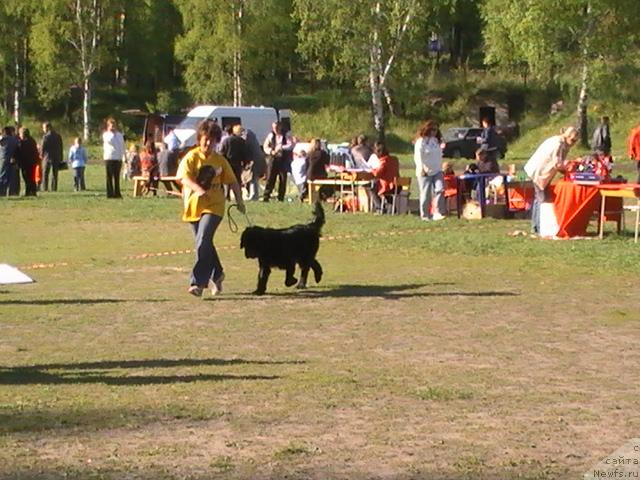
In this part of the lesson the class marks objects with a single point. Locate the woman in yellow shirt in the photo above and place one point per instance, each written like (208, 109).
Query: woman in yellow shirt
(204, 173)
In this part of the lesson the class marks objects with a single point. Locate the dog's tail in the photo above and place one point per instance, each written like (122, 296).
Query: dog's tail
(318, 215)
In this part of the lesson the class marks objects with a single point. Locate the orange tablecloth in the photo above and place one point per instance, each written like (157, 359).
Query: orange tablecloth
(521, 195)
(574, 205)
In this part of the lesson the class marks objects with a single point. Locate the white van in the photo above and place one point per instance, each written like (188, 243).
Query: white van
(257, 119)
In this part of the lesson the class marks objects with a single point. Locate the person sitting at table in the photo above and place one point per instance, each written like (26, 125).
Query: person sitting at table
(317, 164)
(384, 175)
(548, 159)
(486, 162)
(361, 152)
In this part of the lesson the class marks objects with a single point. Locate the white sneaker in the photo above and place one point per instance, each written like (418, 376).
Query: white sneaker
(216, 289)
(438, 216)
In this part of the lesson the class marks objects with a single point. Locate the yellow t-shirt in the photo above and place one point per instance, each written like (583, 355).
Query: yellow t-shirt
(213, 200)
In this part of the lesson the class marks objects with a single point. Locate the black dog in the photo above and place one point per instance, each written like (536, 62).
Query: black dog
(283, 248)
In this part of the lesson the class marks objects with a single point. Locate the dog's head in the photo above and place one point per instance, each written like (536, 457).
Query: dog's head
(250, 241)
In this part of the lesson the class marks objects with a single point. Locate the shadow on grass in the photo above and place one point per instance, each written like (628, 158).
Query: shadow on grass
(292, 467)
(158, 363)
(90, 372)
(22, 376)
(76, 301)
(388, 292)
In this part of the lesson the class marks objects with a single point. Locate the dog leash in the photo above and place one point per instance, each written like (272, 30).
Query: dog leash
(233, 225)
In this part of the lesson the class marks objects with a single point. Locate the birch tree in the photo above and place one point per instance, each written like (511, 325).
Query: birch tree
(560, 40)
(15, 25)
(359, 42)
(228, 54)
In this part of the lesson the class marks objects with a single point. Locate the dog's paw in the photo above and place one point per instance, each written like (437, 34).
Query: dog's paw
(317, 276)
(258, 292)
(290, 281)
(301, 286)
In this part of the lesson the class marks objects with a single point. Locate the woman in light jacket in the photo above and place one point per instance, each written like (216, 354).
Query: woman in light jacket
(428, 159)
(113, 155)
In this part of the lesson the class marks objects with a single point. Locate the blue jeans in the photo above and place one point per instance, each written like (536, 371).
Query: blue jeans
(78, 179)
(207, 266)
(541, 196)
(431, 187)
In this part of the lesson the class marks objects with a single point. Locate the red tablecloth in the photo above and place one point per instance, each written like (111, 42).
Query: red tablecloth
(575, 204)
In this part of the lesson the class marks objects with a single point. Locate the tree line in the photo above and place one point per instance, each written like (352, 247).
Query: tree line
(54, 52)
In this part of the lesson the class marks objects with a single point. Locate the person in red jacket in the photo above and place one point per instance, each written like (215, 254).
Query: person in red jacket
(384, 175)
(633, 147)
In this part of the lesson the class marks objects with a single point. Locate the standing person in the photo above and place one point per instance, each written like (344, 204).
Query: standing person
(172, 141)
(28, 159)
(384, 176)
(427, 156)
(167, 165)
(317, 163)
(52, 153)
(256, 167)
(278, 145)
(113, 156)
(149, 165)
(78, 159)
(299, 167)
(488, 141)
(8, 152)
(234, 149)
(14, 177)
(132, 161)
(601, 141)
(549, 158)
(203, 174)
(633, 147)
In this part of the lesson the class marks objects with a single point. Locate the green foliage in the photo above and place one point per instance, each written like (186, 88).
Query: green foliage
(263, 37)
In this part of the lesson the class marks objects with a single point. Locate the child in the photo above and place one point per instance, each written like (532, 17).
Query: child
(149, 166)
(133, 162)
(78, 159)
(203, 174)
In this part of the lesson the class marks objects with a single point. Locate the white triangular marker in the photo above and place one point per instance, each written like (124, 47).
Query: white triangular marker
(10, 275)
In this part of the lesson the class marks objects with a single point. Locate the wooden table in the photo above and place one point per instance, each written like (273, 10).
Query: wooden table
(620, 190)
(140, 180)
(347, 188)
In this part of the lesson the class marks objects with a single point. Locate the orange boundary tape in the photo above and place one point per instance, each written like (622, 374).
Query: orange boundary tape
(347, 236)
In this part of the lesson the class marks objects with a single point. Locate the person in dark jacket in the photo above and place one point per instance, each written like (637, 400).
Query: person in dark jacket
(317, 162)
(168, 166)
(28, 159)
(601, 141)
(52, 154)
(489, 141)
(8, 153)
(256, 166)
(234, 149)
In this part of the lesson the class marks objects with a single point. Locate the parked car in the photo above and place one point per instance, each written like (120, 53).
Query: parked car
(462, 143)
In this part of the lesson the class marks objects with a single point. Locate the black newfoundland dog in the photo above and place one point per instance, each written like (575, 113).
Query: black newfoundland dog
(283, 248)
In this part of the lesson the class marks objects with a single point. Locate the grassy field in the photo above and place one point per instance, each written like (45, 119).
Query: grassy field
(446, 350)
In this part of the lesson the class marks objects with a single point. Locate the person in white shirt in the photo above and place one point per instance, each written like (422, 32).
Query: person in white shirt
(549, 158)
(279, 146)
(113, 155)
(427, 155)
